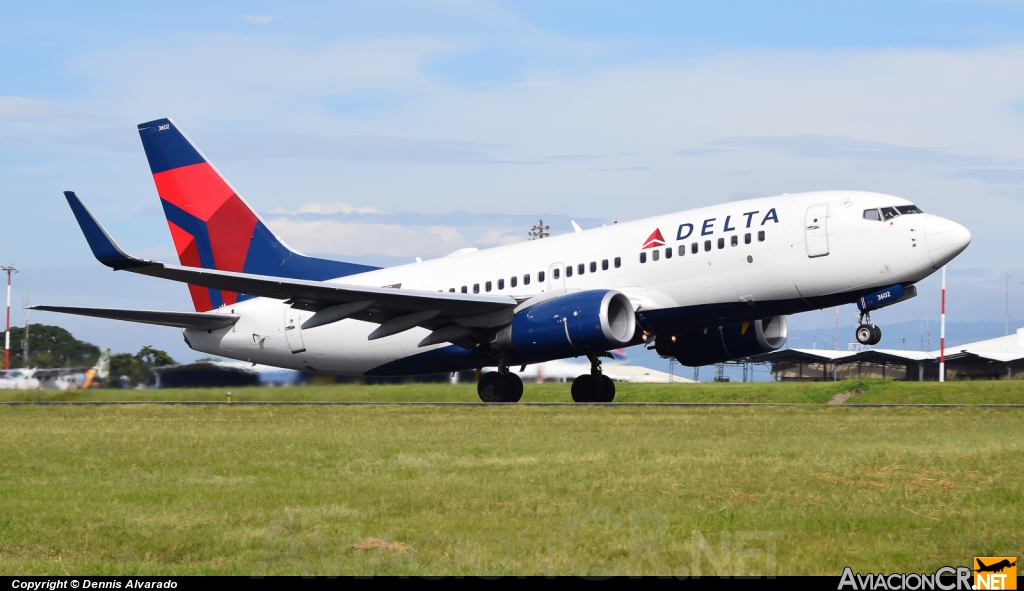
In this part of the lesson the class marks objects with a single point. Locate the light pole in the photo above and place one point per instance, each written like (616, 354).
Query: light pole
(942, 332)
(7, 332)
(539, 231)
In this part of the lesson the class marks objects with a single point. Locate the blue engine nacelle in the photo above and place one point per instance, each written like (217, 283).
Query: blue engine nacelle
(570, 325)
(725, 343)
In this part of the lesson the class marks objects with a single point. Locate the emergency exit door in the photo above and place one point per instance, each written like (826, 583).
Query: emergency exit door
(816, 231)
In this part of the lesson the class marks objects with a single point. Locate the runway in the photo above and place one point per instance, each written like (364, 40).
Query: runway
(490, 404)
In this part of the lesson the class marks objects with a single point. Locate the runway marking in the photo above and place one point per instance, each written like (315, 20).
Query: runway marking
(485, 404)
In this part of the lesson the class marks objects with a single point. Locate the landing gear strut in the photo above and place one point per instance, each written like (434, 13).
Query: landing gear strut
(867, 333)
(595, 386)
(500, 386)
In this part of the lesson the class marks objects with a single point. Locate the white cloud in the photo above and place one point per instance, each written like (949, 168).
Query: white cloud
(349, 239)
(259, 19)
(21, 107)
(499, 237)
(326, 209)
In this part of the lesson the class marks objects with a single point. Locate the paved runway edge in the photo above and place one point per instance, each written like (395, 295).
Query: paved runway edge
(483, 404)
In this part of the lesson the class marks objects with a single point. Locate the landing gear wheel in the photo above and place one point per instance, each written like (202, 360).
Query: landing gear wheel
(515, 390)
(494, 387)
(865, 334)
(608, 391)
(583, 388)
(876, 336)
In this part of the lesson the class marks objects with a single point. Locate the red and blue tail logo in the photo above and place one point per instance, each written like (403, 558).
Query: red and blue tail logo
(213, 227)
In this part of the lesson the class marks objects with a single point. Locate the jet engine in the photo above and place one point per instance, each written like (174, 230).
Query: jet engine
(726, 342)
(569, 325)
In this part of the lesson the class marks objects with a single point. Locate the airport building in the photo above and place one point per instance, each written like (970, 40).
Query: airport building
(992, 359)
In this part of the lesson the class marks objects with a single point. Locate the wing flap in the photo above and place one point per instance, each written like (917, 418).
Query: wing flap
(196, 320)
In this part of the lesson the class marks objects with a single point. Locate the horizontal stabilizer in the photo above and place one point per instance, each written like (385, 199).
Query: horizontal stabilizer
(196, 320)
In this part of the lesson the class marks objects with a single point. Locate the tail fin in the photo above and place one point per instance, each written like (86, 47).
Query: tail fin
(213, 227)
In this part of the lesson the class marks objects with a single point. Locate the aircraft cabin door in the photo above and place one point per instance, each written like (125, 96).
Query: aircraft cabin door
(293, 329)
(556, 276)
(816, 231)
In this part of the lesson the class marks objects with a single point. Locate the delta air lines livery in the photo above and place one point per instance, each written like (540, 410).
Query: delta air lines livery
(703, 286)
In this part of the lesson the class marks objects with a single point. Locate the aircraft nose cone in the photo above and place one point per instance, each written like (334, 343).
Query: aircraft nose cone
(945, 239)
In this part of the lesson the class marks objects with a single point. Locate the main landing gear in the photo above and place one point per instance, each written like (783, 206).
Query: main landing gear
(500, 386)
(595, 386)
(867, 333)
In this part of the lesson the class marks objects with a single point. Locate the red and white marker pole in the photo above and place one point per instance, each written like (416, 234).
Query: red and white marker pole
(942, 332)
(7, 332)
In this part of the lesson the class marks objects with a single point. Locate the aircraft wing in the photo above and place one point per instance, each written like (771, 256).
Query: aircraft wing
(197, 320)
(332, 301)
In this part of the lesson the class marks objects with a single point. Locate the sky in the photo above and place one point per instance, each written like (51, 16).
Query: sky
(377, 132)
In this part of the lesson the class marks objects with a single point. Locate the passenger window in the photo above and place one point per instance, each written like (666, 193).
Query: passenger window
(746, 238)
(464, 289)
(721, 243)
(487, 286)
(580, 268)
(618, 262)
(555, 273)
(643, 257)
(513, 281)
(526, 279)
(735, 240)
(872, 214)
(707, 245)
(568, 268)
(654, 254)
(760, 236)
(452, 290)
(668, 252)
(476, 288)
(501, 284)
(604, 265)
(694, 248)
(540, 276)
(593, 267)
(682, 249)
(908, 209)
(888, 213)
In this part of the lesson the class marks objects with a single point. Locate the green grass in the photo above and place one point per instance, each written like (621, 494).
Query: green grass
(869, 391)
(505, 490)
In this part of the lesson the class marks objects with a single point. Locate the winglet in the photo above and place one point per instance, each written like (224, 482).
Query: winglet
(103, 246)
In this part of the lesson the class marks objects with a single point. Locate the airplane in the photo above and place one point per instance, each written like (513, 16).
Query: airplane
(704, 285)
(995, 567)
(61, 378)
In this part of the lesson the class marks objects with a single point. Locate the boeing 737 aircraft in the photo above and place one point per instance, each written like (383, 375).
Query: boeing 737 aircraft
(704, 285)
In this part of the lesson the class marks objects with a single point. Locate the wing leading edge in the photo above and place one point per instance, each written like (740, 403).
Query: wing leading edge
(394, 309)
(196, 320)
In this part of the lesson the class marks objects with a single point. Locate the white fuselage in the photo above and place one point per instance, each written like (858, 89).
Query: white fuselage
(798, 260)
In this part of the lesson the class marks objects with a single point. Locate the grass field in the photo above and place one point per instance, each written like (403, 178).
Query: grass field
(867, 391)
(506, 490)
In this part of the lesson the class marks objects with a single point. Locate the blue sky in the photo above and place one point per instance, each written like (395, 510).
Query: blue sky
(380, 131)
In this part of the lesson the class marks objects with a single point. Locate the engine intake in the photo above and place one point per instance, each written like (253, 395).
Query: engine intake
(726, 342)
(572, 324)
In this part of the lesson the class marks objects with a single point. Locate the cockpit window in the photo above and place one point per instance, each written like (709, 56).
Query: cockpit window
(908, 209)
(888, 213)
(872, 214)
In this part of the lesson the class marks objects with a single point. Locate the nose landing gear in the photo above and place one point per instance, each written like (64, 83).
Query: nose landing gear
(867, 333)
(595, 386)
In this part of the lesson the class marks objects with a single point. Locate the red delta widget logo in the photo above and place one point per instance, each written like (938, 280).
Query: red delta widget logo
(654, 240)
